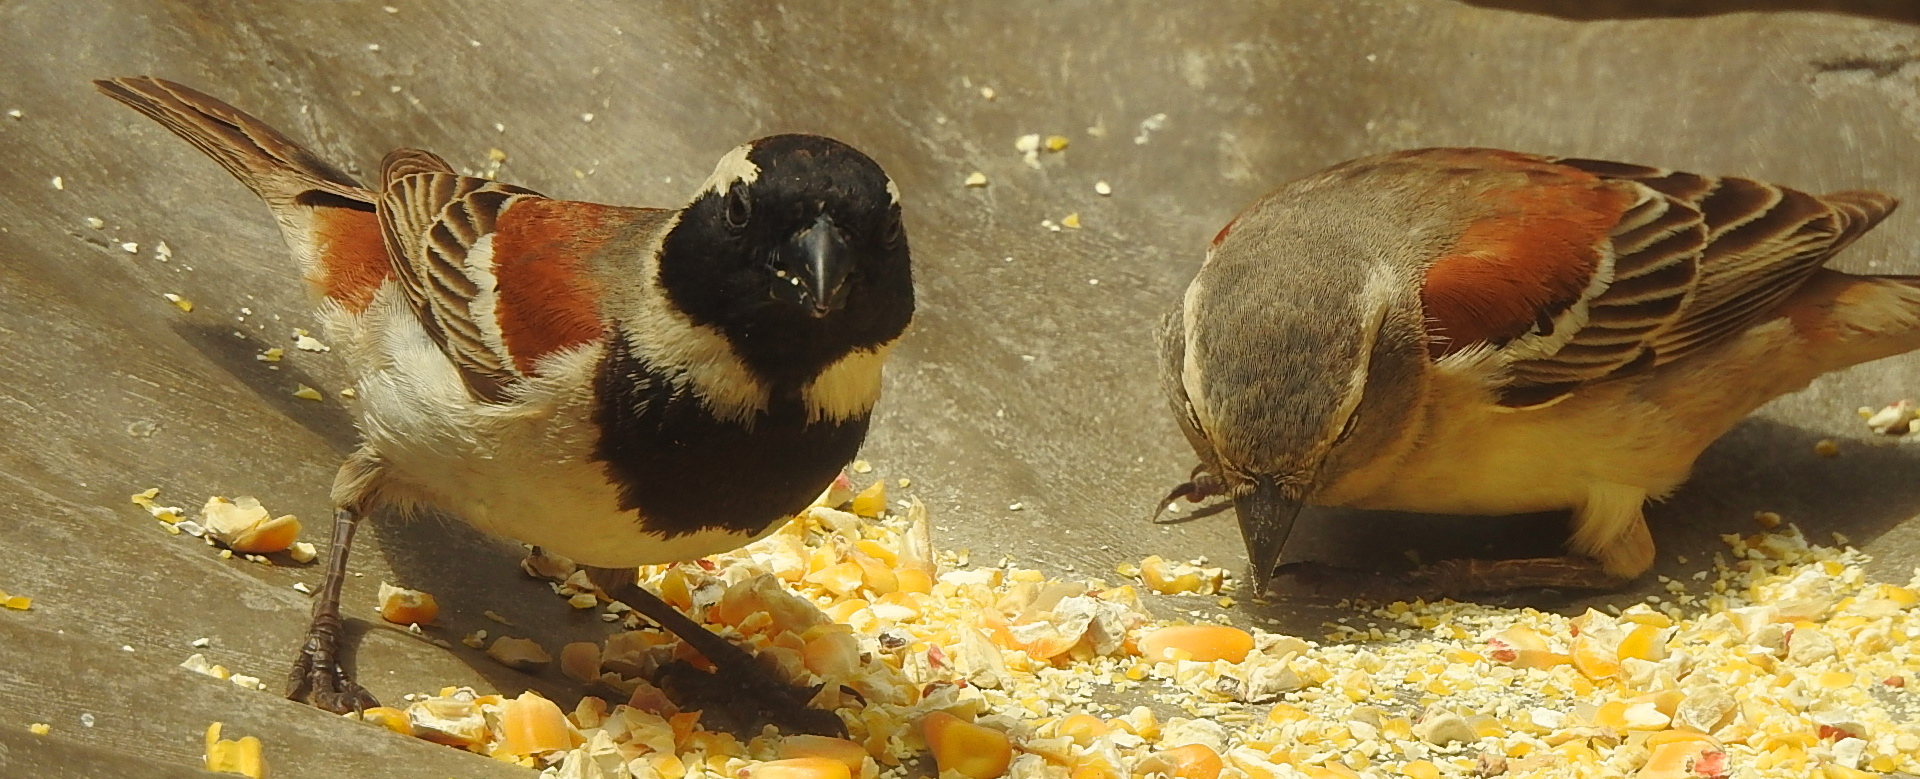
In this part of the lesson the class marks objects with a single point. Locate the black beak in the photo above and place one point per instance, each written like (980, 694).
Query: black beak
(1266, 519)
(818, 257)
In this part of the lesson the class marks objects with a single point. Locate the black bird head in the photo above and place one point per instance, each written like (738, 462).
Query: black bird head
(794, 249)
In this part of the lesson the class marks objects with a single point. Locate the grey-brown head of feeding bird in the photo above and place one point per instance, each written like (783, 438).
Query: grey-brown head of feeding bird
(1471, 331)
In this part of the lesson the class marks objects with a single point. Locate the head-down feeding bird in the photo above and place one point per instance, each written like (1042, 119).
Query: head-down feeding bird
(1472, 331)
(559, 372)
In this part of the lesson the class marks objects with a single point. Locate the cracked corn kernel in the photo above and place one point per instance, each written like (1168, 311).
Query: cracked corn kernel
(1192, 761)
(799, 768)
(1420, 769)
(234, 757)
(972, 750)
(39, 728)
(1200, 643)
(1082, 729)
(402, 606)
(305, 392)
(531, 725)
(870, 501)
(520, 653)
(849, 754)
(388, 717)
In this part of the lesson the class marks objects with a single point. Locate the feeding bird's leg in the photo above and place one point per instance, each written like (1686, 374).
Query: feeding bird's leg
(776, 700)
(317, 677)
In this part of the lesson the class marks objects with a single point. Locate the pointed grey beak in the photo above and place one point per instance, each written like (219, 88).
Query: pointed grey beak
(1266, 519)
(824, 262)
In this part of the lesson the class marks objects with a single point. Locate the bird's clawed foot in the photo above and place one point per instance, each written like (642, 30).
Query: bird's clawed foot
(1456, 578)
(317, 677)
(1200, 485)
(747, 689)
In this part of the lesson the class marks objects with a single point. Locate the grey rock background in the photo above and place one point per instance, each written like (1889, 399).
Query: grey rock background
(1023, 381)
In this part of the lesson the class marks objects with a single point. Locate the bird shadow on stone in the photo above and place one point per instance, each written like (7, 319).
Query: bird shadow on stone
(1595, 10)
(1866, 494)
(274, 383)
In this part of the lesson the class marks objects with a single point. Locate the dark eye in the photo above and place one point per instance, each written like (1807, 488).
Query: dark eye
(895, 229)
(738, 207)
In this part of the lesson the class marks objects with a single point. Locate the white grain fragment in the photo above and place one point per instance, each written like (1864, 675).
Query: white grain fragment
(302, 588)
(96, 222)
(59, 183)
(130, 247)
(976, 179)
(988, 93)
(1102, 188)
(586, 117)
(1148, 127)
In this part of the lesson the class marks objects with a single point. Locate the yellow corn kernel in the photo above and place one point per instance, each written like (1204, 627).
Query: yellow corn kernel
(974, 751)
(1666, 701)
(1905, 597)
(675, 589)
(1140, 722)
(1522, 647)
(402, 606)
(914, 580)
(799, 768)
(1835, 680)
(1612, 714)
(1682, 759)
(532, 725)
(388, 717)
(234, 757)
(1420, 769)
(1643, 642)
(871, 501)
(1837, 771)
(1082, 728)
(1094, 769)
(1202, 643)
(16, 602)
(832, 654)
(878, 576)
(1193, 761)
(842, 579)
(1592, 659)
(667, 765)
(852, 755)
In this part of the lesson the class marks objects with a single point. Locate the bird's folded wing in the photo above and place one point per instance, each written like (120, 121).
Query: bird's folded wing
(1687, 262)
(493, 271)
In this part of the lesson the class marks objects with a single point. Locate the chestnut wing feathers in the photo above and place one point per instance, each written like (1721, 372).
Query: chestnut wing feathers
(1694, 260)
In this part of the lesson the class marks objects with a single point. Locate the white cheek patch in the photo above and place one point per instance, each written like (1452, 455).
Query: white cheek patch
(733, 168)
